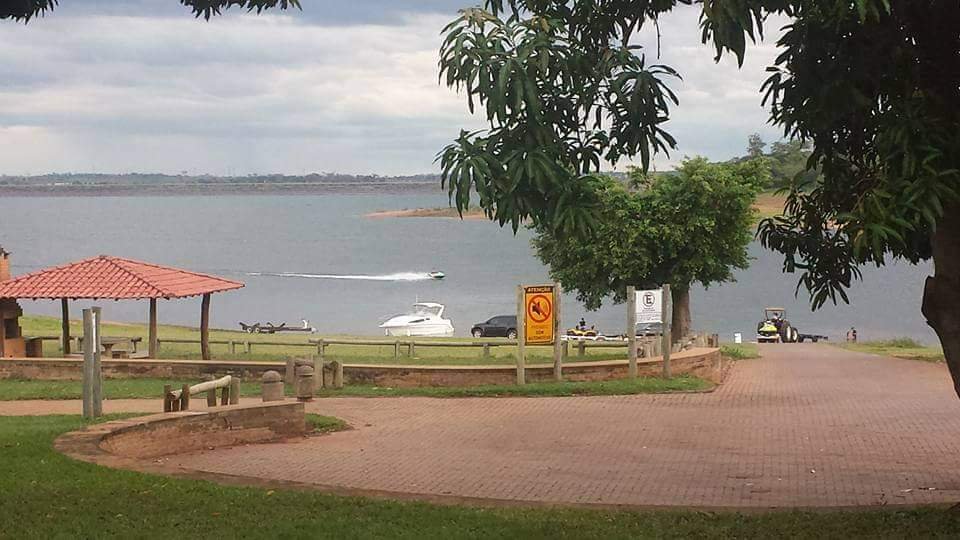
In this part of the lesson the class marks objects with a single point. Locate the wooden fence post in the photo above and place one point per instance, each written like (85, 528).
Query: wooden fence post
(396, 351)
(233, 347)
(167, 405)
(212, 397)
(581, 348)
(486, 350)
(185, 397)
(248, 346)
(317, 373)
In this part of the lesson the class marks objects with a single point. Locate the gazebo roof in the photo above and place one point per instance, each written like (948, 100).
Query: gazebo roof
(113, 278)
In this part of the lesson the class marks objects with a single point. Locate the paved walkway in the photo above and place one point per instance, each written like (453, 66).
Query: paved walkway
(808, 425)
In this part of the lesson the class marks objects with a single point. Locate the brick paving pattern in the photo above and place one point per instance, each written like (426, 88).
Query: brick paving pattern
(807, 425)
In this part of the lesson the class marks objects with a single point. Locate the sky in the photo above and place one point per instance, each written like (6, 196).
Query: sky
(347, 87)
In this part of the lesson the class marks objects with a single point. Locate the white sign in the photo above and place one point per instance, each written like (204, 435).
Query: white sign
(650, 306)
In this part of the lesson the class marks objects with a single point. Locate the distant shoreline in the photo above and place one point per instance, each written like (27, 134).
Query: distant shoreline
(766, 205)
(216, 189)
(473, 214)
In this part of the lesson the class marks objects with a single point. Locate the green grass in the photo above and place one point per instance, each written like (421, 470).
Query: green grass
(19, 389)
(616, 387)
(46, 495)
(16, 389)
(899, 348)
(740, 351)
(287, 346)
(325, 424)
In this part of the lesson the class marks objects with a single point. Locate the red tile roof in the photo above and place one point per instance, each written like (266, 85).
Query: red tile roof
(113, 278)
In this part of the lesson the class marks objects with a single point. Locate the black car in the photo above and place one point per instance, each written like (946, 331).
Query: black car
(499, 326)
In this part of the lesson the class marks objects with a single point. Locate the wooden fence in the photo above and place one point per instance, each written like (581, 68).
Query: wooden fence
(648, 346)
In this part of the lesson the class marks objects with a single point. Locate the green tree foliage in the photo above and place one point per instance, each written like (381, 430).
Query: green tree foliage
(560, 100)
(755, 146)
(787, 160)
(872, 84)
(24, 10)
(692, 225)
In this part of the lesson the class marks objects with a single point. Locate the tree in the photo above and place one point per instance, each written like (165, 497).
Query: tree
(872, 84)
(689, 226)
(24, 10)
(755, 146)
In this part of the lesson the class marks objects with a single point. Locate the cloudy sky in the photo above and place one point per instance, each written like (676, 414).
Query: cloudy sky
(350, 87)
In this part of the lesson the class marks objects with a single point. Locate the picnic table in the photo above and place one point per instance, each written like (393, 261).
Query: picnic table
(127, 346)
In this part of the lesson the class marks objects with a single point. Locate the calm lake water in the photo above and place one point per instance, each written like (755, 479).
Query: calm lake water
(328, 235)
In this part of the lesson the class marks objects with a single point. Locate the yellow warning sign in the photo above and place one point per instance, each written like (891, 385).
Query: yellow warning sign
(538, 310)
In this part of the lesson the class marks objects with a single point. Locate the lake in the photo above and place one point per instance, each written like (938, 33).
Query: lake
(355, 271)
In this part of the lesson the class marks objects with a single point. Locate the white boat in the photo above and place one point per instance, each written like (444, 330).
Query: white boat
(426, 319)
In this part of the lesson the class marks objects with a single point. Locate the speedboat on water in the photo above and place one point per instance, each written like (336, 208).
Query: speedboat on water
(436, 275)
(426, 319)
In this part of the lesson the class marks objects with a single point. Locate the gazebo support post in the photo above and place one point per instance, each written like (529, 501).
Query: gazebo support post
(153, 346)
(205, 327)
(65, 328)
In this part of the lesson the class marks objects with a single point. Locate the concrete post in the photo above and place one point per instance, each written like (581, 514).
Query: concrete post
(304, 383)
(271, 386)
(337, 374)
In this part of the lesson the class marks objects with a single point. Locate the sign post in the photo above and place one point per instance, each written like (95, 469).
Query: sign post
(521, 335)
(655, 306)
(538, 322)
(92, 373)
(632, 331)
(667, 319)
(557, 345)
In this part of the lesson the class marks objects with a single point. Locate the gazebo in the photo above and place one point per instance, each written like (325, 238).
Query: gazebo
(116, 278)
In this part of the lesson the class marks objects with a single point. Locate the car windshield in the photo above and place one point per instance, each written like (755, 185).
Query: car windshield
(426, 310)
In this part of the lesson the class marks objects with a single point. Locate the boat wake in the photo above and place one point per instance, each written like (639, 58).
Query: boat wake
(399, 276)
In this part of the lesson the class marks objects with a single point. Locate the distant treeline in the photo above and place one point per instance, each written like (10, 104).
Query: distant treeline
(154, 179)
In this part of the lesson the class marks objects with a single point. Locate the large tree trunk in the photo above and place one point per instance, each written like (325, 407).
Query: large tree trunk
(681, 312)
(941, 296)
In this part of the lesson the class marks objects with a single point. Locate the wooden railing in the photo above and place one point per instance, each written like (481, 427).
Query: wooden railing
(648, 346)
(179, 400)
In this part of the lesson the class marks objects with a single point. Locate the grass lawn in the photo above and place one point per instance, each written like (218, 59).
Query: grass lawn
(617, 387)
(899, 348)
(740, 351)
(325, 424)
(46, 495)
(14, 389)
(290, 345)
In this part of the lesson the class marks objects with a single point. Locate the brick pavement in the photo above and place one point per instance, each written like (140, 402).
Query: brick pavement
(807, 425)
